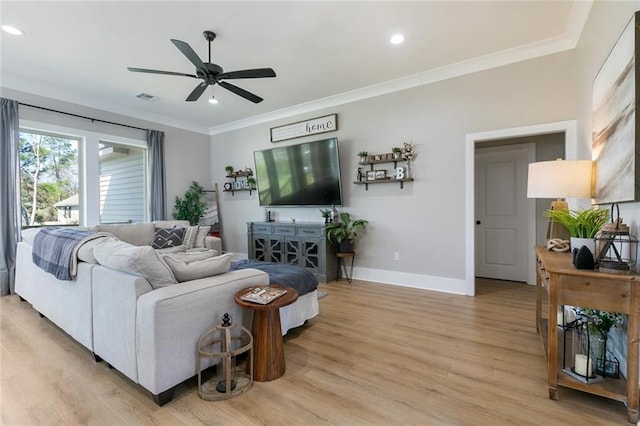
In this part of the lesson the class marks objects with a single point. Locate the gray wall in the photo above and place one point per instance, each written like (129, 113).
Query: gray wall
(424, 222)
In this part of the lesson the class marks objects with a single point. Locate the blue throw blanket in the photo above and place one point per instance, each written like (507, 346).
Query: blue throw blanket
(292, 276)
(54, 250)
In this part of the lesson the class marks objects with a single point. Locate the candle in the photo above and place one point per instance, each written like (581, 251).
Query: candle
(581, 367)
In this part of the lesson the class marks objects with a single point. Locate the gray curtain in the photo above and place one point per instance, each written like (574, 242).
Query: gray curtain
(9, 193)
(155, 145)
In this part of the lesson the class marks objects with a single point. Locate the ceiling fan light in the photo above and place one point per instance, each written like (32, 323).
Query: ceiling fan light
(213, 100)
(11, 30)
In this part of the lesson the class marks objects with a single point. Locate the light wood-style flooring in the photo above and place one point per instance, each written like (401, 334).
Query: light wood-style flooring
(376, 354)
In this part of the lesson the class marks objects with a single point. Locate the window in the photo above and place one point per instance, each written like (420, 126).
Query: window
(71, 176)
(49, 179)
(122, 183)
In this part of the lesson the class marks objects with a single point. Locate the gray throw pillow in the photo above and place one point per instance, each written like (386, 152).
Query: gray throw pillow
(167, 237)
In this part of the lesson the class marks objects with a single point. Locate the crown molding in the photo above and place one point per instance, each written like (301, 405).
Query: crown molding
(567, 41)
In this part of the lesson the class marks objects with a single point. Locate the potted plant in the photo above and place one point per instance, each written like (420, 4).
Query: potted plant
(251, 182)
(396, 151)
(326, 214)
(582, 224)
(345, 232)
(363, 156)
(192, 207)
(229, 170)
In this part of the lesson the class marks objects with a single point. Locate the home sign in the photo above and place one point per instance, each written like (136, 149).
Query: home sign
(314, 126)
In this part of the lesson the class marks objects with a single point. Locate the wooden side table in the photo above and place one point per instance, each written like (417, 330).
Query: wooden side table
(566, 285)
(343, 266)
(268, 344)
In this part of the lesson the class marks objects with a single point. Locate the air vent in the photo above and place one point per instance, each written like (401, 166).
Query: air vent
(147, 97)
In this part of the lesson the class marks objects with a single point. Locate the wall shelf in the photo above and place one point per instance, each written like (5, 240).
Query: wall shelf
(385, 159)
(239, 185)
(367, 182)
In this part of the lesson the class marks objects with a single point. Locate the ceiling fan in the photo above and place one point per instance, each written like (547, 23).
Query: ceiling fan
(211, 73)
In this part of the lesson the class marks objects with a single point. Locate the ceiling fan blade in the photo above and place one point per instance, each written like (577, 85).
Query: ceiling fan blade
(161, 72)
(254, 73)
(241, 92)
(197, 92)
(190, 54)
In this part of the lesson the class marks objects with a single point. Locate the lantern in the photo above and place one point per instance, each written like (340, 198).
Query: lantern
(616, 248)
(224, 348)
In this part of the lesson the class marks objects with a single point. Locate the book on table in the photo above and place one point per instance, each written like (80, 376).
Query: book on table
(263, 295)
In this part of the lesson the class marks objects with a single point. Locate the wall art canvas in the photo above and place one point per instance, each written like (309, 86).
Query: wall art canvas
(615, 146)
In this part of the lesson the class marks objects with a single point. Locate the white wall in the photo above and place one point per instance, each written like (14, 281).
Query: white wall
(186, 153)
(604, 26)
(425, 221)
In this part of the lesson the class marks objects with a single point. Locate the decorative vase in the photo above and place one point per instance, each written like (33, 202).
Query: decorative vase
(590, 243)
(409, 173)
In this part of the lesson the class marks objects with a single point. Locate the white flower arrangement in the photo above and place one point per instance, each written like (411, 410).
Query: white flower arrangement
(408, 152)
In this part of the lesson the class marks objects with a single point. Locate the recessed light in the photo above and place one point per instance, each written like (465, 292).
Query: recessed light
(397, 39)
(11, 30)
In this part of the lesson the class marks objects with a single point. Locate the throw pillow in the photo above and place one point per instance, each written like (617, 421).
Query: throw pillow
(191, 256)
(137, 260)
(184, 271)
(194, 236)
(167, 237)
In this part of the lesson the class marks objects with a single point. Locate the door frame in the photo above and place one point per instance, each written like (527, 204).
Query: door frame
(570, 130)
(530, 150)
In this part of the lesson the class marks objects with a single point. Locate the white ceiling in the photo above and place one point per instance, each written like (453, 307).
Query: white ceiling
(324, 53)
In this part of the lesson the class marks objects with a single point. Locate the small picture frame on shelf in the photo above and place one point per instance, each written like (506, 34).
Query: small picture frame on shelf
(380, 174)
(371, 175)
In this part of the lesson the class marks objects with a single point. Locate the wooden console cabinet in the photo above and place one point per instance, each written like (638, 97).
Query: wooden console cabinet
(303, 244)
(566, 285)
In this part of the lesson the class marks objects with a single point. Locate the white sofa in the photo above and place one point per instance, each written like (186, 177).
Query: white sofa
(148, 334)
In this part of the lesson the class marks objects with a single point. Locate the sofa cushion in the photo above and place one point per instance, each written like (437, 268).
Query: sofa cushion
(191, 256)
(194, 236)
(171, 223)
(138, 234)
(167, 237)
(137, 260)
(171, 250)
(187, 271)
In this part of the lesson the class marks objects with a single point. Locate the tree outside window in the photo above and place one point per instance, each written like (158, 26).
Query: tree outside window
(48, 179)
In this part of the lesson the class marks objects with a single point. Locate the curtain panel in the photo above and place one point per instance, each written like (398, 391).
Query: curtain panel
(155, 145)
(9, 193)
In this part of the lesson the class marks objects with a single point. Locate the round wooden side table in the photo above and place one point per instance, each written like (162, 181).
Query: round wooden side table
(268, 344)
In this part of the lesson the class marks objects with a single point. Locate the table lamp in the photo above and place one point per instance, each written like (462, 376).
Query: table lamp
(560, 179)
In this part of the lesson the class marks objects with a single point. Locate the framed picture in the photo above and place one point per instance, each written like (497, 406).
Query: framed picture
(371, 175)
(615, 145)
(380, 174)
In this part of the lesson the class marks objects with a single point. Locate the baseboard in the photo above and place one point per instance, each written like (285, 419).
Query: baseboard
(402, 279)
(405, 279)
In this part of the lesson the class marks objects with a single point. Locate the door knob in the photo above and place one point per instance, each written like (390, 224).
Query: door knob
(478, 222)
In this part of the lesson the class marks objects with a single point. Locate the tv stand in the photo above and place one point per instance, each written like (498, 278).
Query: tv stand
(303, 244)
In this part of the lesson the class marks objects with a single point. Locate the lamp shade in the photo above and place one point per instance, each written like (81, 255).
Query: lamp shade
(560, 179)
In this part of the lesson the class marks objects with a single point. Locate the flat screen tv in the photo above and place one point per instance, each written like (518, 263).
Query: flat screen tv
(307, 174)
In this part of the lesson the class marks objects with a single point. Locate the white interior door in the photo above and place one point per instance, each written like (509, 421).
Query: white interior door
(502, 212)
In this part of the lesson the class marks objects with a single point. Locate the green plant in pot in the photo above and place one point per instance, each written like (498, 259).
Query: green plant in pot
(396, 151)
(581, 224)
(192, 206)
(326, 214)
(363, 155)
(229, 170)
(251, 182)
(345, 232)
